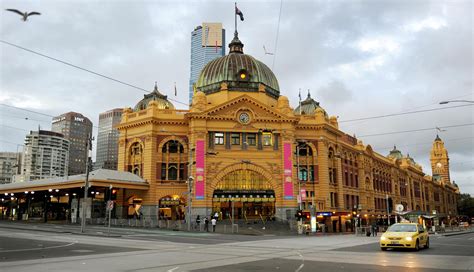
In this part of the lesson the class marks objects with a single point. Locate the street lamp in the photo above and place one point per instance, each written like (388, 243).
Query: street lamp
(459, 101)
(190, 199)
(86, 185)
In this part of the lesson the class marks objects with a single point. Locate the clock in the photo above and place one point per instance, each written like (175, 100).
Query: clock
(439, 165)
(244, 118)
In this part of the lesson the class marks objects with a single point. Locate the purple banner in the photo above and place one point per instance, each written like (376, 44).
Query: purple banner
(288, 171)
(200, 156)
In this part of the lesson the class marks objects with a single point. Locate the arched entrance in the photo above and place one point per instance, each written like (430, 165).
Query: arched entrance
(134, 207)
(172, 207)
(244, 194)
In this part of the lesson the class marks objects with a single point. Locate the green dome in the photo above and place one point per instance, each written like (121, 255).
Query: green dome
(161, 100)
(395, 154)
(308, 107)
(239, 71)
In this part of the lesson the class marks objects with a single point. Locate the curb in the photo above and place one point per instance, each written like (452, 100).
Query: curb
(457, 233)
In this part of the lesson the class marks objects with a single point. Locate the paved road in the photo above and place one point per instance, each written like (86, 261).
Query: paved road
(33, 250)
(458, 245)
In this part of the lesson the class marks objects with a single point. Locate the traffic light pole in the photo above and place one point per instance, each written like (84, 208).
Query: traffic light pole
(388, 211)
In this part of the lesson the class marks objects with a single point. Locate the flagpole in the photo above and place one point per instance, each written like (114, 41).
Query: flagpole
(300, 100)
(235, 16)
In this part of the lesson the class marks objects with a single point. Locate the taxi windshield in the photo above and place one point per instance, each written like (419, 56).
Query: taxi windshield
(402, 228)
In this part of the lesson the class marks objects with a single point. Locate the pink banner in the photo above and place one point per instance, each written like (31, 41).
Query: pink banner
(288, 171)
(199, 182)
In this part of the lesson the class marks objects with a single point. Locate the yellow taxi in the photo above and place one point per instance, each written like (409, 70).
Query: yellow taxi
(405, 235)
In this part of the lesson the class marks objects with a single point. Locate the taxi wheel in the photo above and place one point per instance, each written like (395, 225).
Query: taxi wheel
(427, 245)
(417, 245)
(383, 248)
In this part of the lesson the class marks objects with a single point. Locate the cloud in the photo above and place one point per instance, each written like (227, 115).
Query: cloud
(334, 92)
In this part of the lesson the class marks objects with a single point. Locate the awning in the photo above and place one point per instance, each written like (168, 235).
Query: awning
(98, 178)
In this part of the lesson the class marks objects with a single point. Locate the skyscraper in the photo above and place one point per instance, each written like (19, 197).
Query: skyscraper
(76, 128)
(107, 139)
(9, 166)
(45, 155)
(206, 44)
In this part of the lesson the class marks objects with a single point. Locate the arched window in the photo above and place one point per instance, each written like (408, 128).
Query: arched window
(135, 159)
(135, 149)
(172, 146)
(173, 161)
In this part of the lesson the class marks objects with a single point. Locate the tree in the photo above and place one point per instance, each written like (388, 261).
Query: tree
(466, 205)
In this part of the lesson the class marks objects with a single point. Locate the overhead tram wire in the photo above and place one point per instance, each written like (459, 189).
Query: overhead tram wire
(402, 113)
(35, 112)
(414, 130)
(86, 70)
(424, 143)
(277, 34)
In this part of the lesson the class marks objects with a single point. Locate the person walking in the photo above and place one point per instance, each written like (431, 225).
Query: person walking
(206, 224)
(374, 229)
(198, 222)
(214, 222)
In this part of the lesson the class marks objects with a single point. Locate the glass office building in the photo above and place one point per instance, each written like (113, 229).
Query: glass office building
(206, 44)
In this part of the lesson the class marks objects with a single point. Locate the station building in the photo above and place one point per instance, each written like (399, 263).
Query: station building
(250, 154)
(242, 151)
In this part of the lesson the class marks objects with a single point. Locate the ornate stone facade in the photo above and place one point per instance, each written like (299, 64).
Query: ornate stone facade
(246, 149)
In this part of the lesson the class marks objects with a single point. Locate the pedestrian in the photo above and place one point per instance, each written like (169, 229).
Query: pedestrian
(198, 222)
(206, 224)
(374, 229)
(216, 215)
(213, 222)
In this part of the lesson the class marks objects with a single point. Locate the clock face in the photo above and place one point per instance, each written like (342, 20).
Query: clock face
(244, 118)
(439, 165)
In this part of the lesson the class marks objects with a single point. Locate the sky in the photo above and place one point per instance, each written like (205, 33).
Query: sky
(357, 58)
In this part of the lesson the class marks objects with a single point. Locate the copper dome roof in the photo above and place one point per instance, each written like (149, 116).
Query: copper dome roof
(160, 98)
(229, 69)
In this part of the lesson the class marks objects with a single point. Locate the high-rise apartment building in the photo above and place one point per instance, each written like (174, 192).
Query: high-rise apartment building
(45, 155)
(76, 128)
(9, 165)
(107, 139)
(206, 44)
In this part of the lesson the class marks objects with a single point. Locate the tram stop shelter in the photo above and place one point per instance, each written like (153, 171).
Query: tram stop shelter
(61, 198)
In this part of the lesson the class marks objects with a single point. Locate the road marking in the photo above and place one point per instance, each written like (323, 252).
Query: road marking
(33, 249)
(299, 268)
(173, 269)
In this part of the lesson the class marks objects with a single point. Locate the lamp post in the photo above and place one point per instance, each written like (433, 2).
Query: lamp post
(86, 185)
(190, 188)
(456, 101)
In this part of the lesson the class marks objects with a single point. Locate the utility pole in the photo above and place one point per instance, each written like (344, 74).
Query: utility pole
(86, 185)
(190, 187)
(388, 213)
(299, 198)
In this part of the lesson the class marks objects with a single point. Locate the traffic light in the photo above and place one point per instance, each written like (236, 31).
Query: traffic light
(113, 196)
(299, 214)
(390, 205)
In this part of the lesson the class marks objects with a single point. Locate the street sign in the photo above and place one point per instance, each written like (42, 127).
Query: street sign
(110, 205)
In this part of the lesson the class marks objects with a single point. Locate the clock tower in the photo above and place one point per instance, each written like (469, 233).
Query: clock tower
(439, 161)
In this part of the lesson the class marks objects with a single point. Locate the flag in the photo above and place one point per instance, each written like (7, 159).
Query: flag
(238, 12)
(175, 91)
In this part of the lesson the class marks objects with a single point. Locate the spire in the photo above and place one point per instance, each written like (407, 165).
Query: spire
(438, 139)
(309, 94)
(236, 46)
(156, 87)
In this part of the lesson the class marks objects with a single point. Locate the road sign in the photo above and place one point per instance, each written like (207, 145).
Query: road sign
(110, 205)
